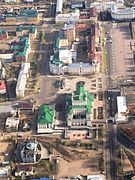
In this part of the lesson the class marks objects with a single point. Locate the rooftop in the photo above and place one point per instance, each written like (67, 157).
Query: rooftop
(46, 114)
(79, 96)
(31, 29)
(23, 12)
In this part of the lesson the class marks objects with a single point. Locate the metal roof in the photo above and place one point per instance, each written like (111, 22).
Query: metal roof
(80, 95)
(46, 114)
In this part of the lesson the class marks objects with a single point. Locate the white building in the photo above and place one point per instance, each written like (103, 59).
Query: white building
(59, 6)
(102, 6)
(71, 17)
(6, 57)
(22, 79)
(122, 14)
(122, 109)
(81, 69)
(12, 124)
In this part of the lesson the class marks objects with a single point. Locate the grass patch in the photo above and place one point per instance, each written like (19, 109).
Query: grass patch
(43, 169)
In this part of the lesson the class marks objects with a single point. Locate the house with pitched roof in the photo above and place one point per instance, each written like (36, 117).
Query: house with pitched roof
(46, 119)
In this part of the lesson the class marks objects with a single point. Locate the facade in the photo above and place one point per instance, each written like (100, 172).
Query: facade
(2, 87)
(120, 117)
(21, 49)
(22, 79)
(26, 152)
(24, 15)
(3, 35)
(6, 57)
(12, 124)
(4, 171)
(71, 17)
(59, 6)
(26, 170)
(46, 119)
(25, 30)
(122, 14)
(78, 4)
(79, 112)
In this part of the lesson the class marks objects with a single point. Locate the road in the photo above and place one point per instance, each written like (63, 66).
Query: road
(112, 147)
(123, 140)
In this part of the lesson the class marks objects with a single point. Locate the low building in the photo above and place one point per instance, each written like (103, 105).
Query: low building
(125, 14)
(12, 124)
(3, 35)
(5, 170)
(2, 87)
(21, 49)
(25, 30)
(59, 6)
(46, 119)
(120, 117)
(88, 177)
(43, 178)
(79, 113)
(71, 17)
(28, 152)
(23, 15)
(25, 170)
(7, 58)
(22, 80)
(79, 4)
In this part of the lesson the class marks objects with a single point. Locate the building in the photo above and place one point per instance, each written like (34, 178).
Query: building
(12, 124)
(43, 178)
(62, 54)
(25, 170)
(120, 117)
(122, 14)
(2, 87)
(23, 15)
(3, 35)
(25, 30)
(59, 6)
(21, 49)
(79, 113)
(5, 170)
(6, 57)
(22, 79)
(88, 177)
(46, 119)
(28, 152)
(79, 4)
(63, 61)
(71, 17)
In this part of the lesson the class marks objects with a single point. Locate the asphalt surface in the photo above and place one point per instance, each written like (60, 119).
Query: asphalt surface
(112, 145)
(124, 140)
(120, 63)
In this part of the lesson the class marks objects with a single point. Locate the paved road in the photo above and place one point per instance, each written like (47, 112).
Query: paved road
(123, 140)
(112, 142)
(120, 63)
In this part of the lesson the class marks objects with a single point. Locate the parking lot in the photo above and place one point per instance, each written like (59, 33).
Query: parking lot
(122, 55)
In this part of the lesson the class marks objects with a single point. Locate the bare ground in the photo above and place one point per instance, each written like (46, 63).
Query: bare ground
(84, 165)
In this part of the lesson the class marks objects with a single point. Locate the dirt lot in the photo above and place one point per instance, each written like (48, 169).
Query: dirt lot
(5, 148)
(87, 164)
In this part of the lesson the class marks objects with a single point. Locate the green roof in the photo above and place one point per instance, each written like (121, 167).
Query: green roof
(80, 95)
(46, 114)
(31, 29)
(20, 49)
(2, 32)
(23, 12)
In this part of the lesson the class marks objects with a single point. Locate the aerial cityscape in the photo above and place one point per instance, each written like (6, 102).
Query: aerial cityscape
(67, 90)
